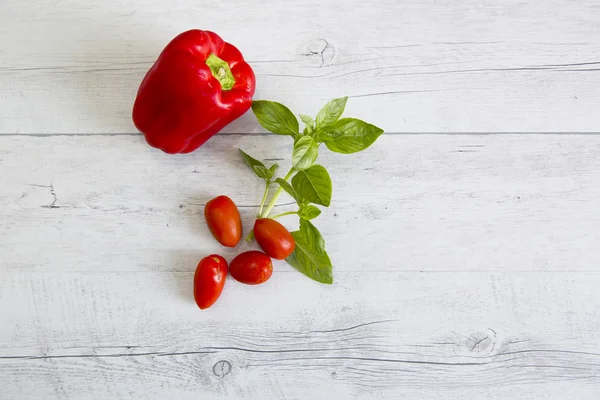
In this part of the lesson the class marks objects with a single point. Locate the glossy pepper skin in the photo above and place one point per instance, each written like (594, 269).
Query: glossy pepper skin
(197, 86)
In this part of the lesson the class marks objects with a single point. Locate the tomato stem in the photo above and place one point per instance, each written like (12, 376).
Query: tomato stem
(285, 213)
(276, 195)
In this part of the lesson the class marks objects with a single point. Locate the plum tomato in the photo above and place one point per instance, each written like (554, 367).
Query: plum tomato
(223, 220)
(209, 280)
(251, 267)
(275, 240)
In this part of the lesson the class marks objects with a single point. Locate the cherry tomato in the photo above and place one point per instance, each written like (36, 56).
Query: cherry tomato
(223, 220)
(209, 280)
(275, 240)
(251, 267)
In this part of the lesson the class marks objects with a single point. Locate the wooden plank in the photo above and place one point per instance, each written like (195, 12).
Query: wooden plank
(508, 66)
(465, 267)
(432, 335)
(422, 202)
(477, 280)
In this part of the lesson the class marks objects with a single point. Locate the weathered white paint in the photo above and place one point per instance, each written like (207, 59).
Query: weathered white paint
(433, 335)
(465, 267)
(409, 66)
(422, 202)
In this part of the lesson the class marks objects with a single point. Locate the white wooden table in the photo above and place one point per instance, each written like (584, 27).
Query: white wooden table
(465, 241)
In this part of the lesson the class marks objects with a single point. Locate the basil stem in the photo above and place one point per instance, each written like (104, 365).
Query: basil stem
(284, 214)
(264, 199)
(276, 195)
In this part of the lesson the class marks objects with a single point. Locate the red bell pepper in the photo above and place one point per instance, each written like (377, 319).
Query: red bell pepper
(196, 87)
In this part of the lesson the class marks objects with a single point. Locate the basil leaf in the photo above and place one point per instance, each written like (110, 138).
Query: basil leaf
(349, 135)
(262, 172)
(312, 235)
(258, 167)
(289, 189)
(275, 117)
(273, 169)
(314, 185)
(305, 153)
(331, 112)
(309, 212)
(308, 121)
(309, 256)
(251, 161)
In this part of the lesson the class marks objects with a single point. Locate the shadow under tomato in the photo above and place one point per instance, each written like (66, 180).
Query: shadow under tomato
(183, 266)
(194, 209)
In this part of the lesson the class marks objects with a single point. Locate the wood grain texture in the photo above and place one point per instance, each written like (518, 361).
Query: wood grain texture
(408, 66)
(464, 267)
(483, 203)
(434, 336)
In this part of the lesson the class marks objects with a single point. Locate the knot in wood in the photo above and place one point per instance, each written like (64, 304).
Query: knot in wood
(222, 368)
(480, 342)
(318, 51)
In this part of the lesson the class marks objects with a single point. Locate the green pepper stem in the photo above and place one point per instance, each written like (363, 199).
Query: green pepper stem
(249, 236)
(283, 214)
(276, 195)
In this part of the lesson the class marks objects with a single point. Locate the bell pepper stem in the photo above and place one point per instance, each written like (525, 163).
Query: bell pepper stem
(276, 195)
(221, 71)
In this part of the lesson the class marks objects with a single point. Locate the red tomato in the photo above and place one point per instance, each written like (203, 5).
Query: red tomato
(223, 220)
(209, 280)
(275, 240)
(251, 267)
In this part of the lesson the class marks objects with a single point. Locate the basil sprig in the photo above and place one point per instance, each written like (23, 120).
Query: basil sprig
(307, 182)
